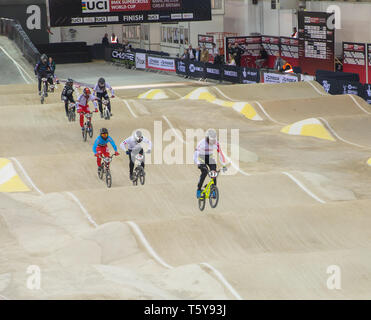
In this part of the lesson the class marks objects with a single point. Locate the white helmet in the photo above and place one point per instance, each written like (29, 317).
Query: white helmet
(211, 136)
(138, 136)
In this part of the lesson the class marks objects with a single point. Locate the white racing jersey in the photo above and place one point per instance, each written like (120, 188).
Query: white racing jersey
(82, 101)
(131, 144)
(99, 89)
(204, 149)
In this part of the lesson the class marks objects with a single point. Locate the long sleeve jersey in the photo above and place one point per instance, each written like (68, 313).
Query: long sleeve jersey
(42, 69)
(101, 143)
(130, 143)
(83, 101)
(204, 149)
(99, 89)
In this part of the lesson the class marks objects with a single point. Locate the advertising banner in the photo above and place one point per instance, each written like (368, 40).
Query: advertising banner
(195, 69)
(95, 12)
(316, 41)
(213, 71)
(368, 80)
(355, 59)
(249, 75)
(181, 67)
(367, 93)
(163, 64)
(140, 60)
(250, 45)
(272, 46)
(231, 74)
(290, 50)
(275, 77)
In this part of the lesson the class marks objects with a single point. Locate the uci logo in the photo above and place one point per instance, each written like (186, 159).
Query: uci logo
(91, 6)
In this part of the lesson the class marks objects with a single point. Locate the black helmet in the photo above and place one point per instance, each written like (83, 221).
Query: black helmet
(44, 58)
(103, 131)
(101, 82)
(69, 82)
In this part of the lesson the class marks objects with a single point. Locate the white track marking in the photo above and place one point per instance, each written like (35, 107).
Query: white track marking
(315, 88)
(3, 297)
(340, 138)
(303, 187)
(182, 140)
(267, 115)
(86, 213)
(358, 105)
(131, 111)
(146, 244)
(224, 95)
(174, 92)
(21, 70)
(27, 176)
(223, 280)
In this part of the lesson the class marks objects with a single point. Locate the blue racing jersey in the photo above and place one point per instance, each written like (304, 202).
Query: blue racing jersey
(101, 142)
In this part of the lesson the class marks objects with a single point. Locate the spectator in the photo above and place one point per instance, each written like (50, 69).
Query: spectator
(204, 54)
(232, 61)
(230, 51)
(185, 55)
(238, 51)
(52, 66)
(105, 40)
(219, 59)
(191, 53)
(279, 63)
(294, 33)
(198, 54)
(215, 51)
(263, 57)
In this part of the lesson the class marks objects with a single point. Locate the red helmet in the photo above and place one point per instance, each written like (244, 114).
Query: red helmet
(87, 91)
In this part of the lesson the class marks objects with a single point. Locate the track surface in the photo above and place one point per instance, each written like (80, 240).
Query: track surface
(297, 206)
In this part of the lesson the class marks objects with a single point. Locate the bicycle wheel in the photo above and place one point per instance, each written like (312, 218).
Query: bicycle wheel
(100, 172)
(214, 196)
(69, 116)
(91, 130)
(85, 133)
(106, 114)
(142, 177)
(135, 180)
(108, 179)
(42, 99)
(202, 202)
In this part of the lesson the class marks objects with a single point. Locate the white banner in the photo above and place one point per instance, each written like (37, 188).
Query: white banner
(270, 77)
(164, 64)
(140, 60)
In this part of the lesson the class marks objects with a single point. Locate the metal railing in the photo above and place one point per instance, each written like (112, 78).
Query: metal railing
(14, 31)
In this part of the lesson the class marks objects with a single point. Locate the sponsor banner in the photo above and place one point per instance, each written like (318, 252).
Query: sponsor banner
(273, 77)
(140, 60)
(196, 69)
(355, 59)
(249, 46)
(272, 46)
(181, 66)
(367, 93)
(350, 87)
(95, 12)
(127, 58)
(231, 73)
(213, 71)
(331, 86)
(316, 41)
(158, 63)
(250, 75)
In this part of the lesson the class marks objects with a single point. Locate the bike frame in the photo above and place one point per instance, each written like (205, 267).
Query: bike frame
(207, 190)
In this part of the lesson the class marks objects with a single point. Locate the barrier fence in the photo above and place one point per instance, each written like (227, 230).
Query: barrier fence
(14, 31)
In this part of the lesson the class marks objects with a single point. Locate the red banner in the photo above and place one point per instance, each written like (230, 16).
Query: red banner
(272, 46)
(130, 5)
(369, 62)
(251, 49)
(290, 50)
(355, 59)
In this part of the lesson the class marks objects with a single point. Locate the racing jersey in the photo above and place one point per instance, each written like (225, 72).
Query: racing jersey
(99, 89)
(130, 143)
(204, 149)
(83, 101)
(102, 143)
(42, 69)
(67, 91)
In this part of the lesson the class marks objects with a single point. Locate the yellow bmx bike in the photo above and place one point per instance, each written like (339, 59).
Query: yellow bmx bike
(210, 191)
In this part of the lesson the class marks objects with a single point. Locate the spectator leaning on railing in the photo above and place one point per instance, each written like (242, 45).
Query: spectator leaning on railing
(204, 54)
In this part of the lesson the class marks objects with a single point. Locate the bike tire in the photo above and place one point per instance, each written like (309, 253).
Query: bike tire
(100, 173)
(85, 134)
(201, 202)
(108, 115)
(214, 200)
(69, 116)
(142, 177)
(91, 131)
(108, 179)
(135, 181)
(42, 100)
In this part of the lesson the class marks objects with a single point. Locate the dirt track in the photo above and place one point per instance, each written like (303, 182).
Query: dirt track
(300, 204)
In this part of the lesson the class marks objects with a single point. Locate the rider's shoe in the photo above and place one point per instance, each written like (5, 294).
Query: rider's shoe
(213, 195)
(39, 93)
(100, 169)
(131, 177)
(111, 114)
(101, 114)
(198, 194)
